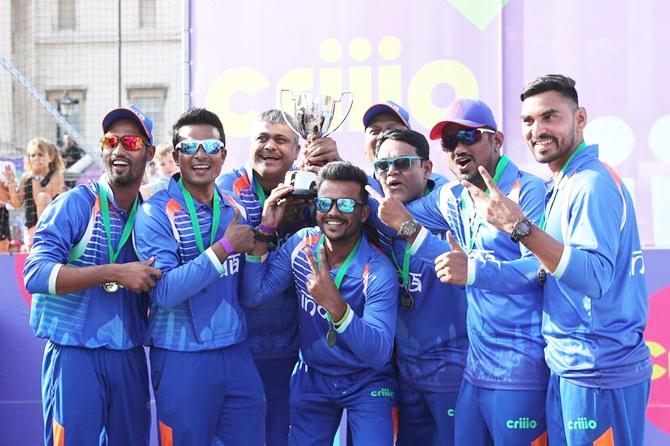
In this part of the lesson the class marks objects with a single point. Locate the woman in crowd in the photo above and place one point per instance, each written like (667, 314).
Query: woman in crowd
(41, 182)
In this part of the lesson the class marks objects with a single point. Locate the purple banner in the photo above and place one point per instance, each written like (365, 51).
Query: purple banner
(424, 56)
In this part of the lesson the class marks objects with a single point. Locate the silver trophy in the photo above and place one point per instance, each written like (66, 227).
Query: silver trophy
(311, 117)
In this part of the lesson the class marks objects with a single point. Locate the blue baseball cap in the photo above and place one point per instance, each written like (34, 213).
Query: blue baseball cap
(133, 113)
(471, 113)
(386, 107)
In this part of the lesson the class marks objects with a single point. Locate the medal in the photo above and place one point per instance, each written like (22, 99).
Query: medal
(110, 287)
(331, 338)
(541, 276)
(406, 299)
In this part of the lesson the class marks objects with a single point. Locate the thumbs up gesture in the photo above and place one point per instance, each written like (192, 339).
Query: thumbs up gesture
(241, 237)
(452, 266)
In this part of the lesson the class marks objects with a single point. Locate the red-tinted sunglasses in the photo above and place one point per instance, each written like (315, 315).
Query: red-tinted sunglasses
(129, 142)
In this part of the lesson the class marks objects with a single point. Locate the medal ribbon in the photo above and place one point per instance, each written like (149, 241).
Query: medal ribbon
(469, 207)
(259, 191)
(345, 265)
(127, 228)
(195, 224)
(557, 184)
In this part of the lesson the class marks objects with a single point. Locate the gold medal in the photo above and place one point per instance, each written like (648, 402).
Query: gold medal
(331, 338)
(110, 287)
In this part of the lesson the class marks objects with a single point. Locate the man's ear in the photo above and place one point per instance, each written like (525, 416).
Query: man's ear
(498, 140)
(151, 151)
(427, 168)
(175, 156)
(365, 213)
(580, 119)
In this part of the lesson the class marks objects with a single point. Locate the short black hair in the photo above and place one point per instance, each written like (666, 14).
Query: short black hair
(343, 171)
(411, 137)
(551, 82)
(194, 116)
(275, 116)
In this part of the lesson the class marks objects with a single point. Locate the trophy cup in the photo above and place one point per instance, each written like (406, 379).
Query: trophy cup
(312, 115)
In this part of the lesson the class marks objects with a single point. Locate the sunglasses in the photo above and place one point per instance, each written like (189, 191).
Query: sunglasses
(132, 143)
(344, 205)
(191, 146)
(401, 163)
(465, 137)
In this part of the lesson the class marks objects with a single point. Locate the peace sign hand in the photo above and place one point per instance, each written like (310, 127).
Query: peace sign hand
(321, 285)
(392, 212)
(495, 208)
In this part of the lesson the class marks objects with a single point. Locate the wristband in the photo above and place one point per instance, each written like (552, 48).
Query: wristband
(265, 229)
(265, 238)
(226, 245)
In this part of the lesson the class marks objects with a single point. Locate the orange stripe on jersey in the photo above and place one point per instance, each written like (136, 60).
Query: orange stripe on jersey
(96, 205)
(58, 433)
(311, 240)
(240, 183)
(615, 176)
(540, 441)
(515, 192)
(606, 439)
(394, 417)
(172, 207)
(165, 434)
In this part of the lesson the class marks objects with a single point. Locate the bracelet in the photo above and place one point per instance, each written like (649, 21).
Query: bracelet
(344, 317)
(265, 238)
(226, 245)
(265, 229)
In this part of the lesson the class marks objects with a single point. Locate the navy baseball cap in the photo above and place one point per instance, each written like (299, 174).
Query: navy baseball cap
(133, 113)
(471, 113)
(386, 107)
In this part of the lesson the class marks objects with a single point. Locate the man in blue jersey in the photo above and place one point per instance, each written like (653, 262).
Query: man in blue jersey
(595, 299)
(380, 118)
(88, 298)
(505, 366)
(431, 339)
(273, 326)
(347, 292)
(206, 385)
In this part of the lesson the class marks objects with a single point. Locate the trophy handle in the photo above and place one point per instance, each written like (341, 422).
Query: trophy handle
(351, 104)
(281, 108)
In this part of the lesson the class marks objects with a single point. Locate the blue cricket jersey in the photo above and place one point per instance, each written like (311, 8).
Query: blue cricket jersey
(273, 326)
(369, 287)
(595, 303)
(504, 314)
(194, 306)
(431, 337)
(71, 232)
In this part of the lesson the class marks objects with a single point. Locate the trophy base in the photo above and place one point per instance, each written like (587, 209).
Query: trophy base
(304, 193)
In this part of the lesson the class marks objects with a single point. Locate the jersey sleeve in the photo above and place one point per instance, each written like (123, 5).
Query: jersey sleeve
(370, 337)
(268, 276)
(154, 238)
(59, 228)
(591, 234)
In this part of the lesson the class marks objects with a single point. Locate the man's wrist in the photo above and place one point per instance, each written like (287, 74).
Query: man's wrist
(226, 245)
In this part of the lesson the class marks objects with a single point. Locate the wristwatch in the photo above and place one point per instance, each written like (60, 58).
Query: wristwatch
(521, 229)
(409, 228)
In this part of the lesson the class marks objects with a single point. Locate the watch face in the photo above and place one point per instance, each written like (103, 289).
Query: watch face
(408, 228)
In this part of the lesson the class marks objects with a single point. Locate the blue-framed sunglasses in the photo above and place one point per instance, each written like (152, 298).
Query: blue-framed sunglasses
(191, 146)
(344, 205)
(466, 137)
(400, 163)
